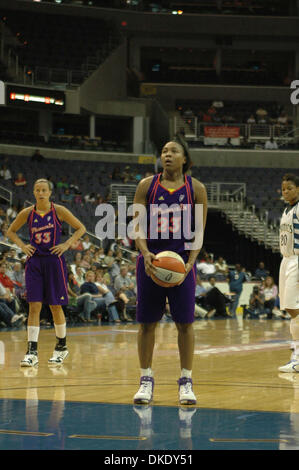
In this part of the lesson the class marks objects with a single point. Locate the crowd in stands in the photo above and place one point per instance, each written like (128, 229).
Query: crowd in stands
(220, 112)
(102, 285)
(102, 279)
(263, 301)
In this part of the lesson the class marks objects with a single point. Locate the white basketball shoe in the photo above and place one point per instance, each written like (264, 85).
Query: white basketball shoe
(30, 359)
(186, 395)
(58, 356)
(146, 390)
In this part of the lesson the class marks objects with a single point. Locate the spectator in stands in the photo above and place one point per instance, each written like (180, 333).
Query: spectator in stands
(4, 279)
(109, 258)
(79, 275)
(62, 184)
(236, 278)
(77, 245)
(86, 242)
(215, 300)
(251, 119)
(282, 119)
(3, 216)
(221, 269)
(7, 295)
(7, 316)
(271, 144)
(37, 156)
(261, 272)
(126, 175)
(261, 113)
(270, 292)
(11, 213)
(218, 104)
(83, 303)
(206, 268)
(116, 174)
(122, 282)
(67, 196)
(20, 180)
(256, 304)
(86, 261)
(188, 112)
(102, 296)
(200, 304)
(18, 278)
(5, 173)
(91, 197)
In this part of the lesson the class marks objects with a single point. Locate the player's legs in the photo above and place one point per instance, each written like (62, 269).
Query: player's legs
(146, 343)
(186, 344)
(60, 352)
(151, 300)
(289, 297)
(182, 306)
(31, 358)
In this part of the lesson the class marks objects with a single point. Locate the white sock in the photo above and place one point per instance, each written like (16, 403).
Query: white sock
(186, 373)
(32, 333)
(146, 372)
(60, 330)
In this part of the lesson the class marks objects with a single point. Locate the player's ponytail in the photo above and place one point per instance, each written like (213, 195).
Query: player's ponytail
(180, 140)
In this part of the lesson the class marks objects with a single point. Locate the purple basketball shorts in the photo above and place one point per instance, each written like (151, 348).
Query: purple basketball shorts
(151, 298)
(46, 280)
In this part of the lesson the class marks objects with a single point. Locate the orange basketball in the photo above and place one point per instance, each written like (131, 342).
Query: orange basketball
(170, 269)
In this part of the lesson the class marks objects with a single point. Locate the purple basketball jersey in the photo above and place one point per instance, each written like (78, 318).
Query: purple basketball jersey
(45, 273)
(170, 216)
(44, 230)
(167, 231)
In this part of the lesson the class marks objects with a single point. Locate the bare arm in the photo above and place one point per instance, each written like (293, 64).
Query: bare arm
(19, 221)
(141, 241)
(66, 216)
(200, 196)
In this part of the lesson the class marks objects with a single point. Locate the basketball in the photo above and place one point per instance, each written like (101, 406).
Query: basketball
(170, 269)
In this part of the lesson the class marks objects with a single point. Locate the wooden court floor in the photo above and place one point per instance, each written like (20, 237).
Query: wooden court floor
(235, 366)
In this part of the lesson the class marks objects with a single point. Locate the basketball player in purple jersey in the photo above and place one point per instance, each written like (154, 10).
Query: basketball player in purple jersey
(45, 269)
(172, 186)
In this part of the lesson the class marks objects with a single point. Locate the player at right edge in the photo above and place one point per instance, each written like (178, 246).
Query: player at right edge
(289, 267)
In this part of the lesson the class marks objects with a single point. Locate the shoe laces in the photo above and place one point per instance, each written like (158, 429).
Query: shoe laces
(145, 386)
(185, 386)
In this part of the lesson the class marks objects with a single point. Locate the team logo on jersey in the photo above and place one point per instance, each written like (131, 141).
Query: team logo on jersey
(49, 218)
(36, 220)
(161, 198)
(62, 298)
(181, 197)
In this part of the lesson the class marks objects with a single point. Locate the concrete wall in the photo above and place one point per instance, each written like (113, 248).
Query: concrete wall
(245, 158)
(168, 93)
(108, 82)
(202, 157)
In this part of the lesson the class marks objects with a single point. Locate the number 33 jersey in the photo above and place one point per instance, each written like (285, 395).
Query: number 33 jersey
(170, 216)
(289, 231)
(44, 230)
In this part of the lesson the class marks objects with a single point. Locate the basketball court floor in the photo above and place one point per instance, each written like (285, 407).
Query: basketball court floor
(243, 401)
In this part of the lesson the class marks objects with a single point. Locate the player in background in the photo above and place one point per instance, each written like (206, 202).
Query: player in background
(172, 186)
(45, 268)
(289, 269)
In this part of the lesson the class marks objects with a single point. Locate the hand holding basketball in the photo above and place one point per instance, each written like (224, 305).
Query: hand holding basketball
(148, 265)
(188, 268)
